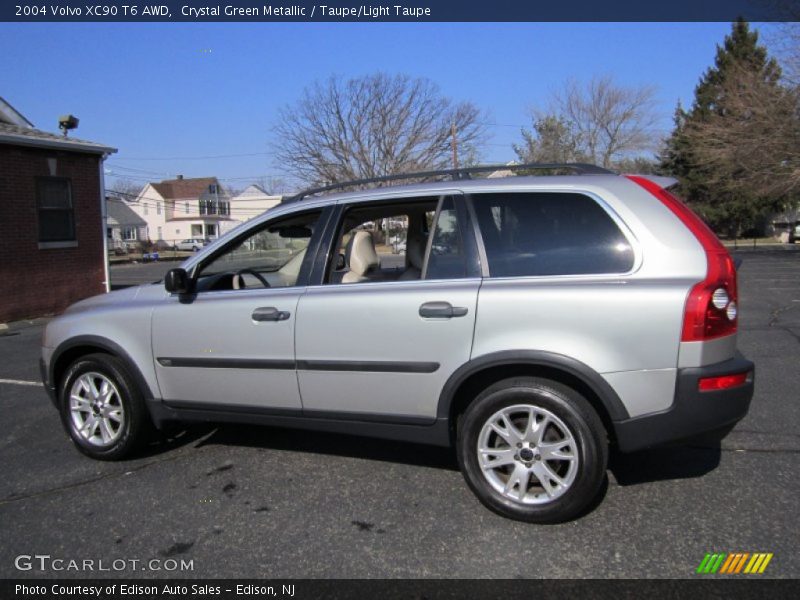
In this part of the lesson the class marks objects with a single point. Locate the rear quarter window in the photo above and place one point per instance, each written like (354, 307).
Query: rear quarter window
(549, 233)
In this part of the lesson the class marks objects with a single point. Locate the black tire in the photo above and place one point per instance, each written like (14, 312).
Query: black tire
(574, 412)
(136, 426)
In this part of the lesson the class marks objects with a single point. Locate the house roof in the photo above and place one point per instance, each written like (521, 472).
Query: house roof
(119, 213)
(252, 190)
(501, 173)
(10, 115)
(29, 136)
(255, 193)
(171, 189)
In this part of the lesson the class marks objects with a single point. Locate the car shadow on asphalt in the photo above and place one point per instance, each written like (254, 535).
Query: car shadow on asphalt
(175, 438)
(335, 444)
(274, 438)
(660, 464)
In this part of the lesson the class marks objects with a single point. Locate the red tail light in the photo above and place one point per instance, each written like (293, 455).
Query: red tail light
(712, 305)
(710, 384)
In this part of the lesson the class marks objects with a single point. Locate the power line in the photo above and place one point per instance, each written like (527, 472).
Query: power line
(115, 165)
(500, 125)
(142, 175)
(198, 157)
(151, 202)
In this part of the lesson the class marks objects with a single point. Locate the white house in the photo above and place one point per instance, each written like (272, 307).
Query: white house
(124, 228)
(179, 209)
(252, 202)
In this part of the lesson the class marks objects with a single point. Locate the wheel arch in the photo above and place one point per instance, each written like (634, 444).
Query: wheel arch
(468, 380)
(71, 350)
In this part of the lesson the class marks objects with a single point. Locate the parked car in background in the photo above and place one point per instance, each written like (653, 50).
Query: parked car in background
(160, 245)
(794, 233)
(193, 244)
(531, 323)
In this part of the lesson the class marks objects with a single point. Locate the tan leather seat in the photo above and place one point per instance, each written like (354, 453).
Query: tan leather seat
(361, 257)
(415, 253)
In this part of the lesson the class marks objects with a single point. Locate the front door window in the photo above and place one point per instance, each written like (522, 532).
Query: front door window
(270, 257)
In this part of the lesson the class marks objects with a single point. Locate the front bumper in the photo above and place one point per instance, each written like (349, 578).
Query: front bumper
(51, 391)
(693, 413)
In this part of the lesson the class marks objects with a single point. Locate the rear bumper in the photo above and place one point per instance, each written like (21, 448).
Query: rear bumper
(693, 413)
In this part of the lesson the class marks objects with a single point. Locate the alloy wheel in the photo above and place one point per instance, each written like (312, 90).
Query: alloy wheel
(527, 454)
(96, 410)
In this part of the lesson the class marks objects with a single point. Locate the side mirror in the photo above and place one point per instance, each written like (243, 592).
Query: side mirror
(177, 281)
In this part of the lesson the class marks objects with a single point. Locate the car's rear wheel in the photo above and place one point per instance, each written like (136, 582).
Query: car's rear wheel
(102, 409)
(533, 449)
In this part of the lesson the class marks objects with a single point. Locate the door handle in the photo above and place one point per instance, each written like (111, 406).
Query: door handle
(270, 313)
(441, 310)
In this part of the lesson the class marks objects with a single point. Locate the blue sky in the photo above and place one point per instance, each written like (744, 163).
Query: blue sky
(164, 92)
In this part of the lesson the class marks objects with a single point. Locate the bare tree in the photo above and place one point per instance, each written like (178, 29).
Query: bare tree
(273, 185)
(750, 146)
(373, 126)
(610, 121)
(127, 189)
(784, 40)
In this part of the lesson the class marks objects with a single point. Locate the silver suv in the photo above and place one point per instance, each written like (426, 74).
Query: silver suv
(530, 322)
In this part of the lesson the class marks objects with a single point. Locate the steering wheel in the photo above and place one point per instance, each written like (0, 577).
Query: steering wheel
(238, 281)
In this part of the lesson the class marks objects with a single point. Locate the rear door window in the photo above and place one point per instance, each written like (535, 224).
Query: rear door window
(550, 233)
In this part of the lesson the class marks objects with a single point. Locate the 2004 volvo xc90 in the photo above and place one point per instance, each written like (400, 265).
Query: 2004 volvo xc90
(529, 321)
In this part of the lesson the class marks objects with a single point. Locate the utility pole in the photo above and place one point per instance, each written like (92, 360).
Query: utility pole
(454, 142)
(216, 197)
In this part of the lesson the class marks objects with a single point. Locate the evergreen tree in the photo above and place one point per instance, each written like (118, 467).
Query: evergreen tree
(551, 140)
(740, 64)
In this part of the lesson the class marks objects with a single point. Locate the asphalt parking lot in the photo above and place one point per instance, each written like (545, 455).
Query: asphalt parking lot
(264, 502)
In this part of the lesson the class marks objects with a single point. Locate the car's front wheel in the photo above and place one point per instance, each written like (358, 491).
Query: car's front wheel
(102, 409)
(533, 450)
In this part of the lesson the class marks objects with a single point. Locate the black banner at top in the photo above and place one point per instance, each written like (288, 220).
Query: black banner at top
(397, 10)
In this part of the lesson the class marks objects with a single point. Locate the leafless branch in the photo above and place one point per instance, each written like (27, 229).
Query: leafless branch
(751, 144)
(372, 126)
(610, 120)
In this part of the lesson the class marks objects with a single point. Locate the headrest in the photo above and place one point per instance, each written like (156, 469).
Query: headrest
(360, 254)
(415, 250)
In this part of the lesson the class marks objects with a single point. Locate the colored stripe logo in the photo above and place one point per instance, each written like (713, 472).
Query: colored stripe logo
(734, 563)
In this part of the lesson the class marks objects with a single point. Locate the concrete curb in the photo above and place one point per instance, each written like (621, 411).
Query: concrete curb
(13, 326)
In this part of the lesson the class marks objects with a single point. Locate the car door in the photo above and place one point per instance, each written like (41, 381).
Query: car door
(383, 350)
(231, 344)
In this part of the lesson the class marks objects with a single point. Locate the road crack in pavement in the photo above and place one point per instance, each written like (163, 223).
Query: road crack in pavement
(796, 336)
(776, 314)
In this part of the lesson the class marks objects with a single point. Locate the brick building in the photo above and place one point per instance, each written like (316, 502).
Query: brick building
(52, 230)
